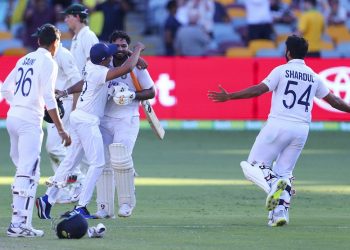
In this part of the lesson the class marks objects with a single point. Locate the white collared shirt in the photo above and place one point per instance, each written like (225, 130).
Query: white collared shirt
(294, 87)
(81, 45)
(93, 97)
(68, 73)
(30, 86)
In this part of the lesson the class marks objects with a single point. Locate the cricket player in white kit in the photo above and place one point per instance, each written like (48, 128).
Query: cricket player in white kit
(68, 74)
(85, 121)
(279, 144)
(76, 17)
(28, 88)
(119, 127)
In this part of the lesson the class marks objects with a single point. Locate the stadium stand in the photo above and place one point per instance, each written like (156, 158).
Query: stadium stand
(229, 37)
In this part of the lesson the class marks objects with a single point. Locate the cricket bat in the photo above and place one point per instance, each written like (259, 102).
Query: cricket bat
(149, 112)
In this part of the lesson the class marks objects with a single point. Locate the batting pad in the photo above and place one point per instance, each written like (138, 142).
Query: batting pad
(122, 165)
(255, 175)
(23, 191)
(105, 188)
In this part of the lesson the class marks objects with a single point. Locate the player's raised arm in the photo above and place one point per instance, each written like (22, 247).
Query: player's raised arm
(129, 64)
(250, 92)
(337, 102)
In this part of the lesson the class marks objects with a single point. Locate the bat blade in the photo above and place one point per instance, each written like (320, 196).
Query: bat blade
(153, 119)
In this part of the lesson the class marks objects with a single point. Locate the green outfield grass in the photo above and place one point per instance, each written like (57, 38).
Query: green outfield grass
(191, 194)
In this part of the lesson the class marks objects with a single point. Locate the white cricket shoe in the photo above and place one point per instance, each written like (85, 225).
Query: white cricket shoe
(102, 214)
(273, 197)
(125, 210)
(279, 218)
(23, 231)
(75, 192)
(64, 196)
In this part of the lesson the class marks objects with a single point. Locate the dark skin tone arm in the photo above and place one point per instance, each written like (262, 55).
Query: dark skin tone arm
(250, 92)
(145, 94)
(129, 64)
(262, 88)
(337, 102)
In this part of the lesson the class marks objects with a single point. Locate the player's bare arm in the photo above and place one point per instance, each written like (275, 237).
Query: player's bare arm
(129, 64)
(141, 63)
(145, 94)
(250, 92)
(76, 88)
(58, 123)
(337, 102)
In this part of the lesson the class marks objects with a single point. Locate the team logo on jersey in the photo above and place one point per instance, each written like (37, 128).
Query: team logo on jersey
(337, 79)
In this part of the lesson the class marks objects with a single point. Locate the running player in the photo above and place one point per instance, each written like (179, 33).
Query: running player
(29, 87)
(85, 132)
(119, 127)
(282, 139)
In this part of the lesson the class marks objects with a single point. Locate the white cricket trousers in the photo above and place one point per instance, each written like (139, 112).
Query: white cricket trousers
(54, 146)
(26, 140)
(120, 130)
(280, 141)
(86, 138)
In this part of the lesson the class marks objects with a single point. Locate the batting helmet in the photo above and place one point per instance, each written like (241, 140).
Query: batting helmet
(72, 226)
(60, 107)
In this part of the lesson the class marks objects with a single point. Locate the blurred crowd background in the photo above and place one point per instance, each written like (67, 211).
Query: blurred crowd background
(231, 28)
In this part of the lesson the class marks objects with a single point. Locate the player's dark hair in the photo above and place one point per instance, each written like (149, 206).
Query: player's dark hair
(47, 34)
(119, 34)
(297, 46)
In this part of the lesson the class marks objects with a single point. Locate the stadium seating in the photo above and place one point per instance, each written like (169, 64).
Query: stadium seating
(269, 53)
(258, 44)
(5, 35)
(343, 48)
(338, 33)
(224, 32)
(226, 2)
(239, 52)
(326, 45)
(10, 43)
(15, 51)
(330, 54)
(236, 12)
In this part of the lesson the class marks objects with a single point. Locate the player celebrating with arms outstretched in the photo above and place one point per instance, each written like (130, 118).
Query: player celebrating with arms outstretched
(282, 139)
(28, 88)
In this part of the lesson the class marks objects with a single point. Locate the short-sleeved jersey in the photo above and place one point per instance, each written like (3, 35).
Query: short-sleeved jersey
(93, 97)
(30, 86)
(81, 45)
(68, 73)
(294, 86)
(132, 109)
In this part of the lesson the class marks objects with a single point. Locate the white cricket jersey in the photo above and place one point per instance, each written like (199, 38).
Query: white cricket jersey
(81, 45)
(93, 97)
(30, 86)
(132, 109)
(294, 87)
(68, 73)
